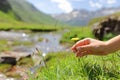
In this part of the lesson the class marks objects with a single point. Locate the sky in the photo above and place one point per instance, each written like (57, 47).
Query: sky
(66, 6)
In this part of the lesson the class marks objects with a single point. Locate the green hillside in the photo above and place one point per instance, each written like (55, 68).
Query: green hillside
(20, 14)
(6, 17)
(28, 13)
(8, 22)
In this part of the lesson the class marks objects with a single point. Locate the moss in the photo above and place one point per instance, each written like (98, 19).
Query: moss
(26, 62)
(4, 67)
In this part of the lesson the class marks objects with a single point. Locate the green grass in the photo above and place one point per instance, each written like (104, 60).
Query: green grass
(65, 66)
(6, 17)
(4, 46)
(25, 62)
(4, 67)
(26, 26)
(80, 32)
(8, 22)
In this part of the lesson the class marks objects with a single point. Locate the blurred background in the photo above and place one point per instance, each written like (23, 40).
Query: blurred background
(33, 32)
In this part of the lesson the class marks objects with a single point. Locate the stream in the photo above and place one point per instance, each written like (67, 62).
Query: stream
(45, 42)
(49, 42)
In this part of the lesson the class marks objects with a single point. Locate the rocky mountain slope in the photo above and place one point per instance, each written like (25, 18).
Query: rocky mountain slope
(82, 17)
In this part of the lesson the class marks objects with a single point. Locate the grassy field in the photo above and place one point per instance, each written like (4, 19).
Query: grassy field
(8, 22)
(27, 26)
(76, 32)
(65, 66)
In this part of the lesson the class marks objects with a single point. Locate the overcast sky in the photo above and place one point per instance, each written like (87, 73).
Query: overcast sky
(66, 6)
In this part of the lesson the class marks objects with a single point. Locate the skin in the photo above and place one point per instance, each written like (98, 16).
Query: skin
(89, 46)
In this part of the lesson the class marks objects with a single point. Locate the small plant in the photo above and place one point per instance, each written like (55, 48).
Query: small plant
(42, 57)
(38, 64)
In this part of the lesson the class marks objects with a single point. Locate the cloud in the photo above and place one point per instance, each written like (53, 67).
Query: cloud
(111, 1)
(95, 4)
(77, 0)
(64, 5)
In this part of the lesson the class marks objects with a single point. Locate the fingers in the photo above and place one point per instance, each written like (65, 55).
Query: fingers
(78, 54)
(83, 50)
(80, 43)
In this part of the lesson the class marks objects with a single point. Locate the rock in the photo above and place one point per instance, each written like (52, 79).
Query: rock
(5, 6)
(11, 57)
(8, 60)
(108, 25)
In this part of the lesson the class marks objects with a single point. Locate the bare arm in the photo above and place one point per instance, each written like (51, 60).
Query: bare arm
(114, 43)
(91, 46)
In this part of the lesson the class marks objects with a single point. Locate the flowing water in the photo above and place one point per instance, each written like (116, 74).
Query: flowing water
(49, 43)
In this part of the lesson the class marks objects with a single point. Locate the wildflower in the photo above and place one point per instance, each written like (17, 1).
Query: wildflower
(75, 39)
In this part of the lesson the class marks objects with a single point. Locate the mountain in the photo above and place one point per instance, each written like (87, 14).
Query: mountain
(22, 10)
(82, 17)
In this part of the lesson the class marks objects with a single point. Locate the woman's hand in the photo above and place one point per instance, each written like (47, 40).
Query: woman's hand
(90, 46)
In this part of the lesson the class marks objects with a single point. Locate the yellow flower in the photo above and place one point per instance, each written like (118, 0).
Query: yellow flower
(75, 39)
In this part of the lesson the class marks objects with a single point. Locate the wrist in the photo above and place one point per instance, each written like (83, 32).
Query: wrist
(110, 47)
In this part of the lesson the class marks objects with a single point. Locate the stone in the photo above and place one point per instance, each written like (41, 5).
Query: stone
(8, 60)
(5, 6)
(10, 57)
(108, 25)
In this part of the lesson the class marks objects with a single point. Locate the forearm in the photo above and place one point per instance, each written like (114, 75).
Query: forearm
(114, 44)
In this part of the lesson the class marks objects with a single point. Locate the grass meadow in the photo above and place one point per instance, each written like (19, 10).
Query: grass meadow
(66, 66)
(8, 22)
